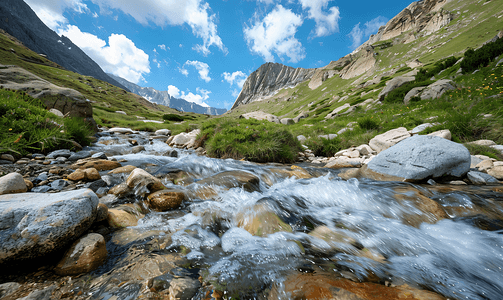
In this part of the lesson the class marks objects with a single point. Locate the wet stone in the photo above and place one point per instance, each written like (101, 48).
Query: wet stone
(59, 184)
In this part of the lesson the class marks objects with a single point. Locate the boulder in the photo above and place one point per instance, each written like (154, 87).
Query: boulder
(89, 174)
(445, 133)
(85, 255)
(121, 130)
(140, 177)
(301, 138)
(496, 172)
(165, 200)
(415, 92)
(261, 221)
(393, 84)
(98, 164)
(420, 128)
(56, 112)
(12, 183)
(485, 165)
(337, 110)
(125, 169)
(301, 116)
(33, 225)
(8, 288)
(483, 143)
(480, 178)
(437, 89)
(287, 121)
(79, 155)
(124, 216)
(59, 153)
(165, 132)
(344, 162)
(384, 141)
(420, 157)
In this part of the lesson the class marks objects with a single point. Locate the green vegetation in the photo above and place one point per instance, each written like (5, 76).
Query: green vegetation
(26, 126)
(258, 141)
(482, 56)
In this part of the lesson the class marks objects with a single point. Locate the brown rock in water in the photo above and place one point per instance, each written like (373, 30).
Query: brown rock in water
(125, 169)
(98, 164)
(90, 174)
(85, 255)
(124, 216)
(120, 190)
(261, 221)
(140, 177)
(327, 286)
(12, 183)
(101, 212)
(165, 200)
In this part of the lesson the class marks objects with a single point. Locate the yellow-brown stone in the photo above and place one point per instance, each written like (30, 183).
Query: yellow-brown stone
(165, 200)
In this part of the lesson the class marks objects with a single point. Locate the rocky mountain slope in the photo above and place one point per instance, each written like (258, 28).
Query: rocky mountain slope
(268, 79)
(20, 21)
(164, 98)
(423, 33)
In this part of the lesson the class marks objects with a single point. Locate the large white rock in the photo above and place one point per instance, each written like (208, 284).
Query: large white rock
(12, 183)
(383, 141)
(420, 157)
(33, 224)
(393, 84)
(437, 89)
(163, 132)
(121, 130)
(444, 133)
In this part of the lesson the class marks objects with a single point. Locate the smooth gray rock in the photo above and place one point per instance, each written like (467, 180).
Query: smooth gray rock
(95, 185)
(415, 92)
(287, 121)
(301, 138)
(421, 128)
(79, 155)
(166, 132)
(34, 224)
(480, 178)
(475, 161)
(437, 89)
(420, 157)
(301, 116)
(12, 183)
(393, 84)
(59, 184)
(99, 155)
(60, 153)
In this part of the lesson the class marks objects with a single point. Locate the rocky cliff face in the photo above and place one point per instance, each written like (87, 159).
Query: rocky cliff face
(164, 98)
(20, 21)
(268, 79)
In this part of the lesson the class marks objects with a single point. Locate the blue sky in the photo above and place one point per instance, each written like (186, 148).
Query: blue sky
(203, 51)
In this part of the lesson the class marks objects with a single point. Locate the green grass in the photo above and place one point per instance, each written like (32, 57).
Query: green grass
(26, 126)
(258, 141)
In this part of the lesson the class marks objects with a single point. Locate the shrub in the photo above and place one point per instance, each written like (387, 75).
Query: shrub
(173, 117)
(474, 59)
(323, 147)
(368, 123)
(254, 140)
(425, 74)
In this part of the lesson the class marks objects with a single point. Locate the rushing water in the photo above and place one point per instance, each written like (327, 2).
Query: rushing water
(387, 229)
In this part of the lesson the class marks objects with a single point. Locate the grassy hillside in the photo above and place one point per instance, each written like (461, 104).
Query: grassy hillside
(105, 98)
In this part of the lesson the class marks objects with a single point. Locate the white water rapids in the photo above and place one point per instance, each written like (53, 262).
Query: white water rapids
(451, 256)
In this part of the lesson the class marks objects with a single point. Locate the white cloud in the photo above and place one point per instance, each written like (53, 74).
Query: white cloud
(238, 77)
(276, 34)
(326, 22)
(51, 11)
(121, 57)
(189, 96)
(163, 47)
(201, 67)
(95, 15)
(357, 34)
(235, 93)
(195, 13)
